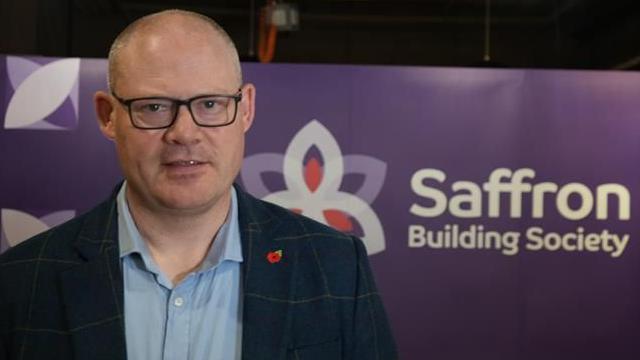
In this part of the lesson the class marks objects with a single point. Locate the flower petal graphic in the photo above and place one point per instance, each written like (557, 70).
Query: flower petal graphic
(338, 220)
(374, 235)
(314, 133)
(253, 166)
(42, 93)
(18, 69)
(58, 217)
(287, 199)
(374, 171)
(74, 96)
(19, 226)
(313, 174)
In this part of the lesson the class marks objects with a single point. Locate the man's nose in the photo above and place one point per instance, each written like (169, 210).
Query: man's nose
(184, 129)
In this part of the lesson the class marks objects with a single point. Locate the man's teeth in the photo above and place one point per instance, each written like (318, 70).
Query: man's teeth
(187, 162)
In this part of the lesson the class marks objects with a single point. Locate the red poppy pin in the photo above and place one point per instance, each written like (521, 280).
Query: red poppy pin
(274, 256)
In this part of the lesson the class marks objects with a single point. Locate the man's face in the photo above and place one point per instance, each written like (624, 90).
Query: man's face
(184, 167)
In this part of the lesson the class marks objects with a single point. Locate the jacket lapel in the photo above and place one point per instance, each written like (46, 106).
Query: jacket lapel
(93, 291)
(266, 285)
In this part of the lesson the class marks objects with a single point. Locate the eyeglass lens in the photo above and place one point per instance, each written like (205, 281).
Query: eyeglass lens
(159, 112)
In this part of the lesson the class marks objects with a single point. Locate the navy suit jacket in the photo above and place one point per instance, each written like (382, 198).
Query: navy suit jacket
(61, 292)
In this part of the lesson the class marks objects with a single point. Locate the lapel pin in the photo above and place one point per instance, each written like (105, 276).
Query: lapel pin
(274, 256)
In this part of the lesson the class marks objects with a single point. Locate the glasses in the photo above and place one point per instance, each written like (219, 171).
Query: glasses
(161, 112)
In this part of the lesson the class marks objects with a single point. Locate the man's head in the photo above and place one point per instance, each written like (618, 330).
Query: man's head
(180, 55)
(157, 20)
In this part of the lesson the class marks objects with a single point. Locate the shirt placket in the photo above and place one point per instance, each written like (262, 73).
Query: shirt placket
(176, 342)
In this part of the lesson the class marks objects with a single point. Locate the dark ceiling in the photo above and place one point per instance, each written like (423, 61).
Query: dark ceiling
(574, 34)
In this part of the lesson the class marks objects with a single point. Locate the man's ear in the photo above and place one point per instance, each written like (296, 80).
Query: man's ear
(106, 112)
(247, 106)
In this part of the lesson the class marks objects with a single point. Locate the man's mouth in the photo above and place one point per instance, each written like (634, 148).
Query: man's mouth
(184, 163)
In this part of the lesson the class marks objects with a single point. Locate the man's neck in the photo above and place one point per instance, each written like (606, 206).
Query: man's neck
(179, 241)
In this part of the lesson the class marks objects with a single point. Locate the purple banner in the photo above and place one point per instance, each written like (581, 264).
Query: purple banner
(496, 205)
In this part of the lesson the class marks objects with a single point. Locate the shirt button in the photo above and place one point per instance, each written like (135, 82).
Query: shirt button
(178, 301)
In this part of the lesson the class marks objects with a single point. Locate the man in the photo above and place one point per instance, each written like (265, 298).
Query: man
(179, 263)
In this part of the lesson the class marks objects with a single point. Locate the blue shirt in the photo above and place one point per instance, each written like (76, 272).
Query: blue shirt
(200, 317)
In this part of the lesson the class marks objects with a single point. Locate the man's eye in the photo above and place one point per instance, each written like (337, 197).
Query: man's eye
(209, 104)
(153, 107)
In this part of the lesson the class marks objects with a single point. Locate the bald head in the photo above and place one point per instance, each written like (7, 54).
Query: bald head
(168, 26)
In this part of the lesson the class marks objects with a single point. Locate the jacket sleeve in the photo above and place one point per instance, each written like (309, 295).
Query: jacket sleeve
(371, 337)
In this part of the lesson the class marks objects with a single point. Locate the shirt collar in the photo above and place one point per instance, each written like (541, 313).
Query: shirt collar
(226, 245)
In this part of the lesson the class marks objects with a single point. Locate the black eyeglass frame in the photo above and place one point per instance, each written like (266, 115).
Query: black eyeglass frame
(179, 102)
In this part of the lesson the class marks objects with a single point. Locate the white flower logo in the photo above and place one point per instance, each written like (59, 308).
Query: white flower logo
(313, 168)
(17, 226)
(42, 91)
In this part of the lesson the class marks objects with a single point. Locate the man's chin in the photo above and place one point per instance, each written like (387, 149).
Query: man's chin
(186, 207)
(188, 201)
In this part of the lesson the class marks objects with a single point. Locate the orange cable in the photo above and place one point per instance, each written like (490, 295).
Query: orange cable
(266, 37)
